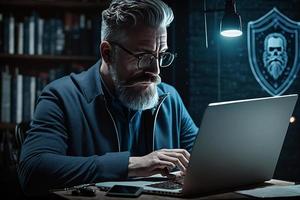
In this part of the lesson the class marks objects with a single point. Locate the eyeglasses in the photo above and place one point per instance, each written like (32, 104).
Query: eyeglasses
(165, 59)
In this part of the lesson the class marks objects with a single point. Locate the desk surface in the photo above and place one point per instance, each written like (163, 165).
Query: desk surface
(101, 194)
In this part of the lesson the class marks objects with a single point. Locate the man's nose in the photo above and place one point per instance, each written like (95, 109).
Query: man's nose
(154, 67)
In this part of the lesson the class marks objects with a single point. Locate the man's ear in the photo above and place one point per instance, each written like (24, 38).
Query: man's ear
(105, 50)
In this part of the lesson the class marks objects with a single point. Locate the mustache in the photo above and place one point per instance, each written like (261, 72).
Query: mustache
(145, 78)
(275, 59)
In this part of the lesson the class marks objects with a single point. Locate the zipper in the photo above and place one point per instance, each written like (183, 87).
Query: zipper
(154, 124)
(156, 113)
(116, 129)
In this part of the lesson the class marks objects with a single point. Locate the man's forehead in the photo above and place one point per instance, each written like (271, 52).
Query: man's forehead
(142, 35)
(275, 41)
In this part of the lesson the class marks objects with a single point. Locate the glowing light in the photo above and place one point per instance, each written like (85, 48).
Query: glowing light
(292, 119)
(231, 33)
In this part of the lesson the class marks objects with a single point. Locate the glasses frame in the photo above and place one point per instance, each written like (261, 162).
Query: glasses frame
(139, 56)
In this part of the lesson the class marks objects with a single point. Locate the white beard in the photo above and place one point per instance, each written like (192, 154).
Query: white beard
(275, 67)
(133, 98)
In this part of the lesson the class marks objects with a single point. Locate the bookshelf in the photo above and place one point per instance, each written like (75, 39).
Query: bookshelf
(56, 4)
(40, 41)
(8, 58)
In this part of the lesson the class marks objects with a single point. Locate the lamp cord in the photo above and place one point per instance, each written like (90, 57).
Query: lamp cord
(205, 24)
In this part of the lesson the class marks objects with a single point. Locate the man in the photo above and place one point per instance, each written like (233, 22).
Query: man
(116, 120)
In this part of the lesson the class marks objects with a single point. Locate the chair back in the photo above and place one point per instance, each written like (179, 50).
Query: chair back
(20, 135)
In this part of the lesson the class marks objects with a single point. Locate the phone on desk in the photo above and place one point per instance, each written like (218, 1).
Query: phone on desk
(125, 191)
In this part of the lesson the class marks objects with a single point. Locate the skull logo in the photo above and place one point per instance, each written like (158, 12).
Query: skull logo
(275, 55)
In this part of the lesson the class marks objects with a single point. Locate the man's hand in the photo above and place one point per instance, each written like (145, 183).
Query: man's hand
(158, 162)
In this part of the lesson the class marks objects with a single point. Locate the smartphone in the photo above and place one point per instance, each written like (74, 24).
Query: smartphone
(125, 191)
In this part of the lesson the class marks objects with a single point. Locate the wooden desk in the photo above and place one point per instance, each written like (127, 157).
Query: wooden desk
(101, 195)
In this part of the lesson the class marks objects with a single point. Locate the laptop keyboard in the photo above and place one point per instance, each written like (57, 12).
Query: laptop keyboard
(170, 184)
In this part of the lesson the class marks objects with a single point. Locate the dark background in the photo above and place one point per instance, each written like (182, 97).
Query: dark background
(222, 71)
(201, 75)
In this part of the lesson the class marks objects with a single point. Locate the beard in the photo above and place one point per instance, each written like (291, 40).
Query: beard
(275, 68)
(133, 96)
(275, 64)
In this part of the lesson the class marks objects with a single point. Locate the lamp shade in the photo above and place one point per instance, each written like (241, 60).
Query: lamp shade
(231, 24)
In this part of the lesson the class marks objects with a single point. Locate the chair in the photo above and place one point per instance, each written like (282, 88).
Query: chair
(20, 135)
(9, 175)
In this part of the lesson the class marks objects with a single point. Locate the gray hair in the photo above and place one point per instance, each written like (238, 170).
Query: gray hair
(123, 14)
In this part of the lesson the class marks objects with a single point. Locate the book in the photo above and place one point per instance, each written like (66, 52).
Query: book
(5, 96)
(46, 37)
(32, 95)
(20, 38)
(11, 32)
(26, 98)
(26, 36)
(52, 34)
(68, 33)
(39, 34)
(75, 33)
(29, 97)
(1, 33)
(32, 35)
(60, 37)
(17, 97)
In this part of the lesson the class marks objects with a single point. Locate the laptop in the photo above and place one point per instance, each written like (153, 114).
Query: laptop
(238, 144)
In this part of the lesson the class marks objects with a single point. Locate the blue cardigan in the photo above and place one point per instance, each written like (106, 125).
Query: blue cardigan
(74, 139)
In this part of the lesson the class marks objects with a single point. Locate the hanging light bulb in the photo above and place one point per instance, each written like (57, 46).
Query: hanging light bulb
(231, 24)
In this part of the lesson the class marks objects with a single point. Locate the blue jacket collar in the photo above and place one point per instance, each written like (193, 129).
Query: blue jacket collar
(90, 82)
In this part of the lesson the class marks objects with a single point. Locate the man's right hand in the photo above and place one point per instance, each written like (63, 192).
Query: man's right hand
(158, 161)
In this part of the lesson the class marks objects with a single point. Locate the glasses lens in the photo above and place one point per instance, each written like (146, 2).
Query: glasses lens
(166, 59)
(146, 60)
